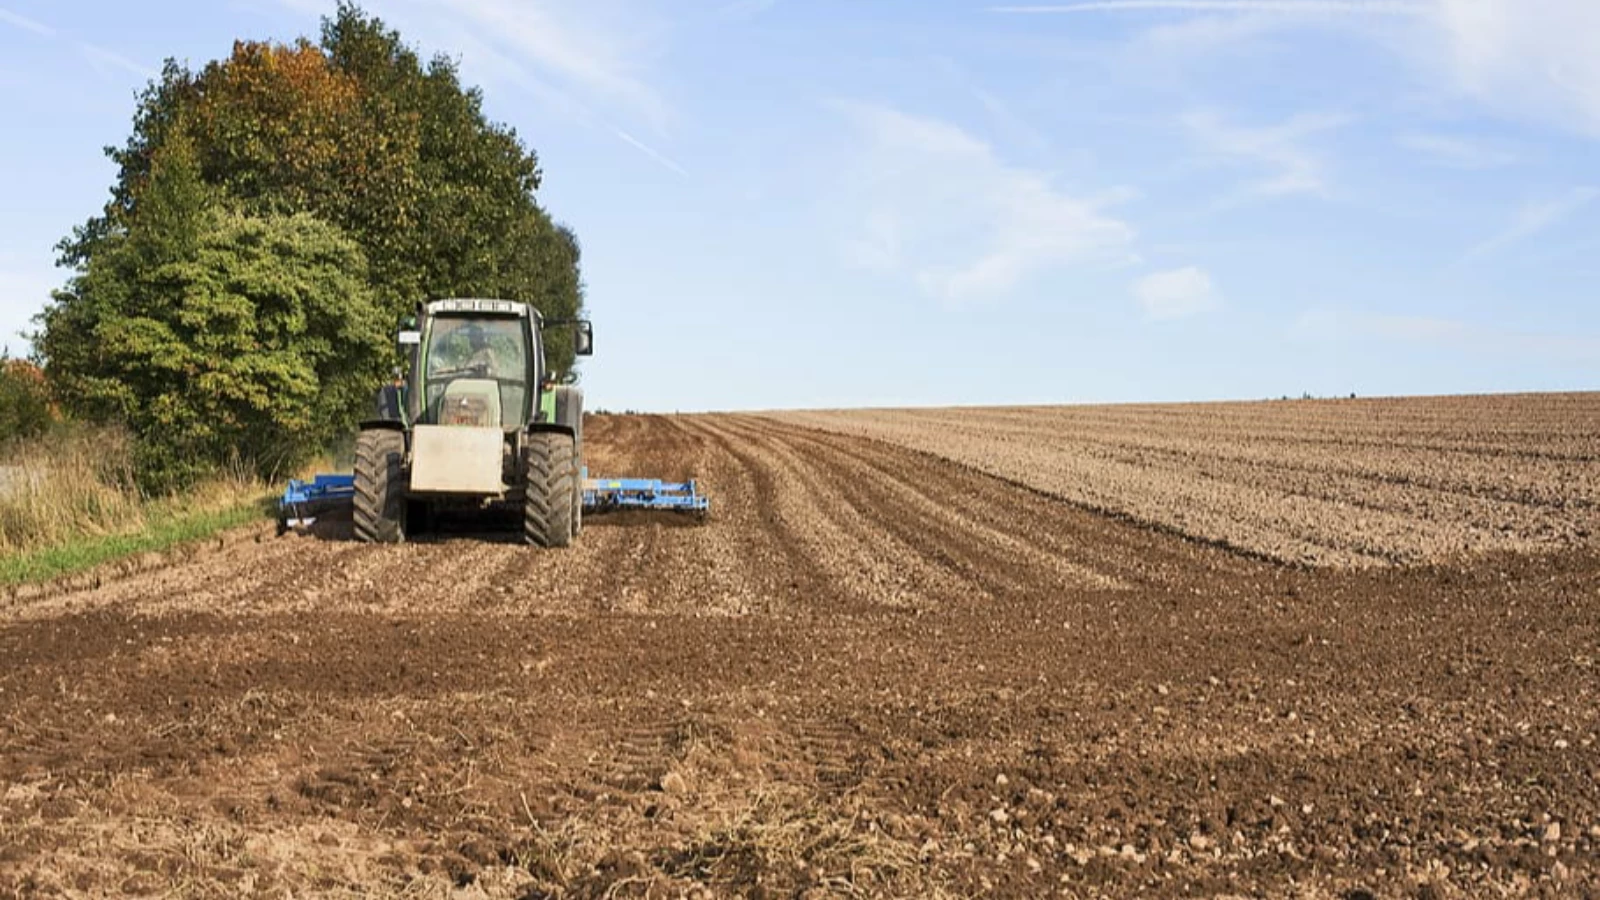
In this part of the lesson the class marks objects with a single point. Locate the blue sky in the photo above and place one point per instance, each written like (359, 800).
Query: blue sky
(841, 202)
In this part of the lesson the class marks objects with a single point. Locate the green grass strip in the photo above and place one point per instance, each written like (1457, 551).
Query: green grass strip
(86, 553)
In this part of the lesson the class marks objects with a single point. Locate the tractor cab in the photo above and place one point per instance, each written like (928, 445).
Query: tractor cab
(479, 363)
(477, 368)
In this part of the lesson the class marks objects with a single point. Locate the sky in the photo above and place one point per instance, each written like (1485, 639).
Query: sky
(816, 203)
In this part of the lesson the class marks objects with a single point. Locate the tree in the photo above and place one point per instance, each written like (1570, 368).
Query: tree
(215, 334)
(474, 227)
(350, 148)
(361, 133)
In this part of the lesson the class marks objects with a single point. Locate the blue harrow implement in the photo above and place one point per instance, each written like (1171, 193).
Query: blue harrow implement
(605, 494)
(304, 501)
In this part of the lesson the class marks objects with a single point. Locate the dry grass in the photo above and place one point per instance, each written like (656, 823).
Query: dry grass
(71, 496)
(72, 484)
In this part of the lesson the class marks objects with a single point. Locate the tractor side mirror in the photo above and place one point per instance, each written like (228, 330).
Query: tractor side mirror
(583, 339)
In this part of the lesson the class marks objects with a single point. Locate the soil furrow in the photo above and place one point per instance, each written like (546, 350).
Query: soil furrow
(890, 663)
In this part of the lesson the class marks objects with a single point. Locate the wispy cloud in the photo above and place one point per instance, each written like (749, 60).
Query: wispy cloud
(966, 238)
(1176, 294)
(595, 49)
(1536, 217)
(649, 151)
(747, 8)
(1298, 7)
(1009, 125)
(1292, 166)
(1180, 38)
(1457, 152)
(592, 62)
(101, 58)
(110, 59)
(1526, 58)
(1456, 334)
(25, 23)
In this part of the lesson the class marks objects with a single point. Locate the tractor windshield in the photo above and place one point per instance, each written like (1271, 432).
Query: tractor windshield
(476, 370)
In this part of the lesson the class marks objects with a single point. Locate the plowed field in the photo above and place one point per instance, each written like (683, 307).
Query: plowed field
(877, 669)
(1342, 482)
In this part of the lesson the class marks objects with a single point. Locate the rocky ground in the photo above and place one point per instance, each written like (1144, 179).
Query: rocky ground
(872, 671)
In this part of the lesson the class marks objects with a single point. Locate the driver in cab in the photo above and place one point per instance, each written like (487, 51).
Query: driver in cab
(467, 350)
(464, 354)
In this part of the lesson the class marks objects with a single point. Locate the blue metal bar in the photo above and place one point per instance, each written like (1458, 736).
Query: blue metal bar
(321, 487)
(303, 501)
(602, 494)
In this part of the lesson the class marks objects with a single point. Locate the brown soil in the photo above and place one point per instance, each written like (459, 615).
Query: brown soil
(871, 671)
(1323, 482)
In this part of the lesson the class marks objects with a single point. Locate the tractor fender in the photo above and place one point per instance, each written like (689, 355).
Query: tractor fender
(569, 410)
(388, 425)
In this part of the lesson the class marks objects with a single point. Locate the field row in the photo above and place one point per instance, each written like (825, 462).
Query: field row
(1343, 483)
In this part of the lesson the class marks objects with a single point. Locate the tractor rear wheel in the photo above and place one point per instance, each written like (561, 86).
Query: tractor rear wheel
(569, 412)
(380, 499)
(549, 469)
(577, 496)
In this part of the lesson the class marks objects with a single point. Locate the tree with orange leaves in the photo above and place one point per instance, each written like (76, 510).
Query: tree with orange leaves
(270, 163)
(26, 410)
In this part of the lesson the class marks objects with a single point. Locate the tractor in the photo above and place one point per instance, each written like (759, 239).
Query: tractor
(477, 421)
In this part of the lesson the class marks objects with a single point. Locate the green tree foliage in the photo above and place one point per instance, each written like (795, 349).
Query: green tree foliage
(215, 334)
(349, 148)
(25, 408)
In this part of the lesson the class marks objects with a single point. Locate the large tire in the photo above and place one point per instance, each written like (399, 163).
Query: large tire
(380, 500)
(577, 497)
(549, 472)
(569, 412)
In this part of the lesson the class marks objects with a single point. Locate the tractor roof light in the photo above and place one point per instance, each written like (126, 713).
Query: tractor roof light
(490, 307)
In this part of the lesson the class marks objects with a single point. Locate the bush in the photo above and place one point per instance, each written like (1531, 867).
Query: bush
(25, 408)
(217, 337)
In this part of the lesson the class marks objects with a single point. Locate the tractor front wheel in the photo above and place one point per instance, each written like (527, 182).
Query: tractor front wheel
(550, 473)
(380, 499)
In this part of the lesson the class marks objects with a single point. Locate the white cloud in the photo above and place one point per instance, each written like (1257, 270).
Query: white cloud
(1457, 152)
(1345, 325)
(649, 151)
(744, 9)
(600, 52)
(593, 62)
(1293, 167)
(1295, 7)
(25, 23)
(1525, 58)
(1175, 294)
(935, 203)
(1198, 36)
(1535, 217)
(103, 59)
